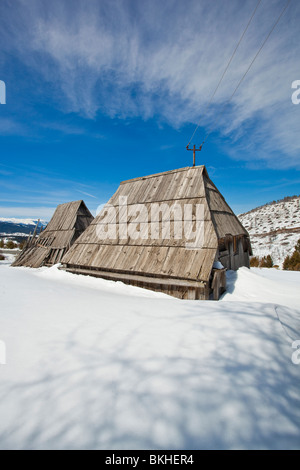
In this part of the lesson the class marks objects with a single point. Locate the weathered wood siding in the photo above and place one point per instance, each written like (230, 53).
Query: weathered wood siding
(68, 222)
(160, 263)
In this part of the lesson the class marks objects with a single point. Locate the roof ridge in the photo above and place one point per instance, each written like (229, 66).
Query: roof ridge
(162, 173)
(78, 201)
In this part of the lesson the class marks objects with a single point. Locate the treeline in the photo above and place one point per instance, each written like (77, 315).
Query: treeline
(285, 199)
(291, 263)
(11, 245)
(264, 262)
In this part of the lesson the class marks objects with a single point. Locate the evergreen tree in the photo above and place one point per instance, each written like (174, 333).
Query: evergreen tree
(11, 245)
(292, 263)
(266, 262)
(286, 263)
(254, 262)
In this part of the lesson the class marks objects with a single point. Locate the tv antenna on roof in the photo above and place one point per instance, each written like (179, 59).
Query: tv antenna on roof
(194, 152)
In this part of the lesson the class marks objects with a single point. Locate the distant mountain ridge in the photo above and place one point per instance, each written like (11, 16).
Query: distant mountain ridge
(274, 228)
(285, 199)
(21, 221)
(20, 227)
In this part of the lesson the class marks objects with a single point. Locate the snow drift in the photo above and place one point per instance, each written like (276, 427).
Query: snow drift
(94, 364)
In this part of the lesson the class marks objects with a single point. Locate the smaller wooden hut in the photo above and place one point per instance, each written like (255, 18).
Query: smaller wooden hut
(68, 222)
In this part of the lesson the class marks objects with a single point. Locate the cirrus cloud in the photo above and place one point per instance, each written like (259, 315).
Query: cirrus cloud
(158, 59)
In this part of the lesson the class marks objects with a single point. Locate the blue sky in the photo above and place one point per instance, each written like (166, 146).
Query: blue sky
(102, 91)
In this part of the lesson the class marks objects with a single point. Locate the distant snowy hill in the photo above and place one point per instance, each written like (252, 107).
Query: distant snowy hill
(274, 228)
(18, 226)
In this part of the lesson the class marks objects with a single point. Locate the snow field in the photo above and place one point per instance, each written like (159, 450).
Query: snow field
(94, 364)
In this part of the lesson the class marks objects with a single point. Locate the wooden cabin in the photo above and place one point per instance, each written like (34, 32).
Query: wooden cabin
(146, 250)
(69, 221)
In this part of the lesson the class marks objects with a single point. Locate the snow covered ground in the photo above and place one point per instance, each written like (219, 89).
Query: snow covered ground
(94, 364)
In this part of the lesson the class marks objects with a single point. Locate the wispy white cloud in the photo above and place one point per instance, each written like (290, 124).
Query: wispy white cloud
(4, 172)
(38, 212)
(10, 126)
(36, 191)
(138, 58)
(86, 194)
(32, 212)
(69, 129)
(283, 184)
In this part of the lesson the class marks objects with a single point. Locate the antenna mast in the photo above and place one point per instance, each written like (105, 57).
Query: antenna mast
(194, 150)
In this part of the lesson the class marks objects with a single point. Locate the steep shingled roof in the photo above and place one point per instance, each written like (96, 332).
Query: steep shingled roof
(67, 223)
(164, 258)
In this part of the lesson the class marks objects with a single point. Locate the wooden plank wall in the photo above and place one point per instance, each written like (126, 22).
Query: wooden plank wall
(66, 225)
(160, 256)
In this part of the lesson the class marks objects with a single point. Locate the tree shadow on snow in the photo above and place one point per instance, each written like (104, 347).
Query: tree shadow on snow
(228, 384)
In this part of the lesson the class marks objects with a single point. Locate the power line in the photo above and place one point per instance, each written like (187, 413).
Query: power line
(226, 68)
(252, 62)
